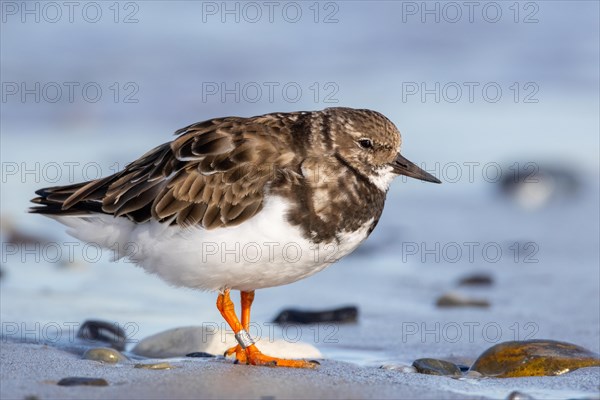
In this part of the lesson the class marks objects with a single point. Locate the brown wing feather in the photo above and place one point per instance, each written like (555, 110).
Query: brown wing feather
(214, 174)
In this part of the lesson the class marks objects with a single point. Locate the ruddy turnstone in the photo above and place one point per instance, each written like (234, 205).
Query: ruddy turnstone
(243, 204)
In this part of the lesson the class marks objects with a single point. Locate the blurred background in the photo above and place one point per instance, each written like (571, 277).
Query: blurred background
(498, 99)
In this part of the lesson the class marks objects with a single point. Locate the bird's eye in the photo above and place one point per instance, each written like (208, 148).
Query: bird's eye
(365, 143)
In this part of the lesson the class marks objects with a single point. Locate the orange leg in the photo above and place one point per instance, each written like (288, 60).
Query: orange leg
(251, 353)
(247, 299)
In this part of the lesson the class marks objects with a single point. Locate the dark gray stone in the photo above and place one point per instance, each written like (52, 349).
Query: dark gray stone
(82, 381)
(339, 315)
(477, 279)
(200, 354)
(432, 366)
(102, 331)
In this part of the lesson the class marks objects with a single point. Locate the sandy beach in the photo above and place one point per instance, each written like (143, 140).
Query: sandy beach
(34, 369)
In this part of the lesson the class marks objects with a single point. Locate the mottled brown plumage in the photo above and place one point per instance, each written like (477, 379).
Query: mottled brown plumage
(328, 164)
(316, 180)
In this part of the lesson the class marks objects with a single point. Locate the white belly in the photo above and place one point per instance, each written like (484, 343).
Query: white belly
(262, 252)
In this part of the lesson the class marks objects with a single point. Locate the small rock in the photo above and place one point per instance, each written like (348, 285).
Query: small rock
(200, 354)
(103, 354)
(533, 186)
(533, 358)
(473, 375)
(82, 381)
(21, 238)
(162, 365)
(405, 369)
(103, 331)
(432, 366)
(210, 339)
(456, 300)
(463, 368)
(340, 315)
(476, 280)
(516, 395)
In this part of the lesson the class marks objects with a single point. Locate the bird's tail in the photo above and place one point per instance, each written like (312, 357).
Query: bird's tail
(77, 199)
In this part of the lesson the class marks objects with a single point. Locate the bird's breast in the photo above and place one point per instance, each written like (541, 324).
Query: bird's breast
(265, 251)
(332, 205)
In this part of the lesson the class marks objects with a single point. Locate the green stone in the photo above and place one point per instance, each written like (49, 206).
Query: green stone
(103, 354)
(533, 358)
(162, 365)
(432, 366)
(457, 300)
(82, 381)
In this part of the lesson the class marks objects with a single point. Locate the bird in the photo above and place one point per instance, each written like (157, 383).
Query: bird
(243, 203)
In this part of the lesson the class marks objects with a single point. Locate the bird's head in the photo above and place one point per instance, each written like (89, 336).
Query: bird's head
(370, 143)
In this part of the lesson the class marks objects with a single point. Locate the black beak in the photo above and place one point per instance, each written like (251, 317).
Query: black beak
(402, 166)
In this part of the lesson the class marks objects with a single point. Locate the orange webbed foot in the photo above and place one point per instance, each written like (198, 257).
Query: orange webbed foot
(255, 357)
(240, 354)
(246, 351)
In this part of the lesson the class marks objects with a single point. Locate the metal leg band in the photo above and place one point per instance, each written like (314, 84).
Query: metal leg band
(244, 339)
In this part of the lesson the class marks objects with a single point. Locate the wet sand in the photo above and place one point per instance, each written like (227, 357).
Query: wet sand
(33, 370)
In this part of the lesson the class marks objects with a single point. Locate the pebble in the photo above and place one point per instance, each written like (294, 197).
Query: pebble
(339, 315)
(405, 369)
(102, 331)
(161, 365)
(463, 368)
(103, 354)
(456, 300)
(432, 366)
(178, 342)
(21, 238)
(516, 395)
(533, 358)
(479, 279)
(200, 354)
(532, 188)
(82, 381)
(473, 375)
